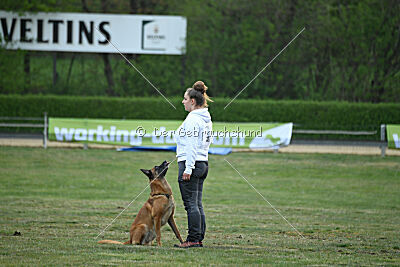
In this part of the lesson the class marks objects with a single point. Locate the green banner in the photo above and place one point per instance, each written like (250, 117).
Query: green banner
(393, 134)
(161, 133)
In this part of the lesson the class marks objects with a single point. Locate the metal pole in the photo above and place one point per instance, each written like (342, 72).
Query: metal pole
(383, 138)
(45, 131)
(85, 144)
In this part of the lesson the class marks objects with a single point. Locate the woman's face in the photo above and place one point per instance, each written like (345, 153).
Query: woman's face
(187, 102)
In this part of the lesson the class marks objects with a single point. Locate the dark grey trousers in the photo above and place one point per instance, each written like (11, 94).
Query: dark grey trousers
(192, 192)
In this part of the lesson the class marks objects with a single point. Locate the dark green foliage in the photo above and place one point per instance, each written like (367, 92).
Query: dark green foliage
(87, 107)
(305, 114)
(350, 51)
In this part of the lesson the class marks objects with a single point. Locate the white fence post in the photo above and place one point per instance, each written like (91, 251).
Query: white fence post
(383, 138)
(85, 144)
(45, 131)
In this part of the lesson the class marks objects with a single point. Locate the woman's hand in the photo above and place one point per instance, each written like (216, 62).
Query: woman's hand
(186, 177)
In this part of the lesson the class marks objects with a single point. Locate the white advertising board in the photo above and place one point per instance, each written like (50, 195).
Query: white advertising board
(88, 32)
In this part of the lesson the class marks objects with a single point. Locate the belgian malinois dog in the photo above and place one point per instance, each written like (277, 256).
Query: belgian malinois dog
(156, 212)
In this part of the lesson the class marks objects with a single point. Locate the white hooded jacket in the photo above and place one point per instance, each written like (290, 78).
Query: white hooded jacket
(193, 138)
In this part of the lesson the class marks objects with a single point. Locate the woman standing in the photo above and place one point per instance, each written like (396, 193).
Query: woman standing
(193, 140)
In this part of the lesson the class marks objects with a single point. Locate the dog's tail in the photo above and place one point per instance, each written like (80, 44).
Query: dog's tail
(113, 242)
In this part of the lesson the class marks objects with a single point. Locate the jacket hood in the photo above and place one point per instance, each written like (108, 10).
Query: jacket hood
(202, 113)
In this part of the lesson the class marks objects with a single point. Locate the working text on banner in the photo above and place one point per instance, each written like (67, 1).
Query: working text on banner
(161, 133)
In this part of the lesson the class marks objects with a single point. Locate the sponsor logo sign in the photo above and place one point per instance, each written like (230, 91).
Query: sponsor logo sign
(162, 133)
(88, 32)
(393, 135)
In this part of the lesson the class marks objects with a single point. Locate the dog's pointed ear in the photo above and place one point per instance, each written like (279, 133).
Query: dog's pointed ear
(148, 173)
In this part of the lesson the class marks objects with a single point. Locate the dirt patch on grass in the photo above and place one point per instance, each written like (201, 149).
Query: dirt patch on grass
(295, 148)
(24, 142)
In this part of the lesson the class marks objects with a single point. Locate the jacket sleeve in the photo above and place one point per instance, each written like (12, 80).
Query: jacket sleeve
(192, 129)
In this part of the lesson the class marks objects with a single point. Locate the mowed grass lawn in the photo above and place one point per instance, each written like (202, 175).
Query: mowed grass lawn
(346, 207)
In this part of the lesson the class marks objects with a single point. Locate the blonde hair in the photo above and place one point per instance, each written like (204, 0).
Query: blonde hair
(198, 93)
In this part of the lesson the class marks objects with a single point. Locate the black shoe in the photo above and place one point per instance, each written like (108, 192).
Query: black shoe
(188, 244)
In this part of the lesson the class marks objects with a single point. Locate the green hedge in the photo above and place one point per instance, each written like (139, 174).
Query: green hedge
(305, 114)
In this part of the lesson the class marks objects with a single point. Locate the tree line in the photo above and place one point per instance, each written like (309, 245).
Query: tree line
(349, 51)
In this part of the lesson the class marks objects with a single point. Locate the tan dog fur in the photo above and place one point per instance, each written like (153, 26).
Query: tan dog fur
(156, 212)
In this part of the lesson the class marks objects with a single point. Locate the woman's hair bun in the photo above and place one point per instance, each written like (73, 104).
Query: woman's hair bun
(200, 86)
(202, 98)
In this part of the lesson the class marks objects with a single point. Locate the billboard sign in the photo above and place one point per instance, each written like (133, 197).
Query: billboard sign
(162, 133)
(89, 32)
(393, 135)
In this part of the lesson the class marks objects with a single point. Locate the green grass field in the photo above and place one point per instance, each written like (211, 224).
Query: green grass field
(346, 207)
